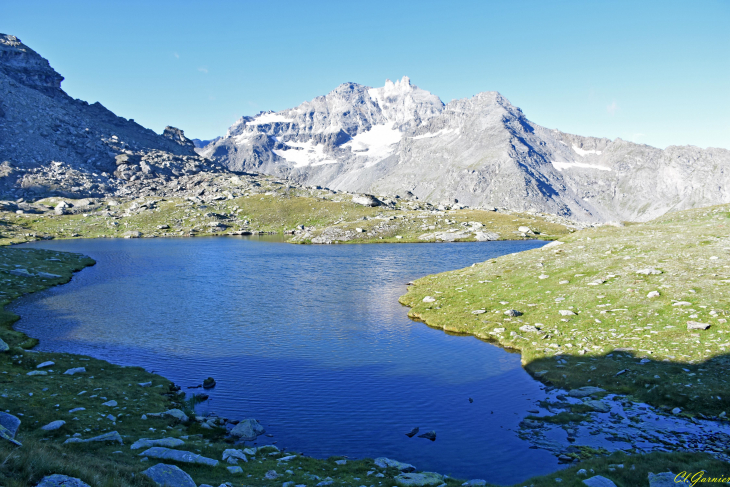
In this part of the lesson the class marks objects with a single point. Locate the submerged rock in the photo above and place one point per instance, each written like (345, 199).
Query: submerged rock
(413, 432)
(169, 476)
(209, 383)
(57, 480)
(429, 435)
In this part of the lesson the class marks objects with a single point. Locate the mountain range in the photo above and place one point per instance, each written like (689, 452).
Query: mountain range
(394, 140)
(481, 152)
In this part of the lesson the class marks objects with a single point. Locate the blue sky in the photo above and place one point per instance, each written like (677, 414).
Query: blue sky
(652, 72)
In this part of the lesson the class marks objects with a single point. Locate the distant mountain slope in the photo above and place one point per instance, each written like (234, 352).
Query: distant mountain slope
(480, 151)
(44, 131)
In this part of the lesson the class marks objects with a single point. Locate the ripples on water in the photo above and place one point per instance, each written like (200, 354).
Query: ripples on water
(311, 340)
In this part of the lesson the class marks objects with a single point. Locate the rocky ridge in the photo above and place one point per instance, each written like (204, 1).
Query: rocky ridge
(481, 151)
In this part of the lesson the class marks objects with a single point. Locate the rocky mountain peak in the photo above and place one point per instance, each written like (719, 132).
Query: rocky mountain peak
(178, 136)
(27, 67)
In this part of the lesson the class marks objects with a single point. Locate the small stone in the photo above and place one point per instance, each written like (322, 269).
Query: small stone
(75, 410)
(169, 476)
(4, 347)
(53, 425)
(653, 294)
(177, 414)
(209, 383)
(473, 482)
(429, 299)
(682, 303)
(271, 475)
(649, 271)
(178, 456)
(37, 372)
(234, 469)
(232, 456)
(144, 384)
(110, 404)
(585, 391)
(676, 411)
(529, 329)
(667, 479)
(75, 370)
(513, 313)
(45, 364)
(566, 312)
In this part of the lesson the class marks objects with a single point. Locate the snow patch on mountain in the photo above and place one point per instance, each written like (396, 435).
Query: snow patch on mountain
(583, 153)
(377, 143)
(569, 165)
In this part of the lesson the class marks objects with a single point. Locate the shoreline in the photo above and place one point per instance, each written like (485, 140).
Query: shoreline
(367, 462)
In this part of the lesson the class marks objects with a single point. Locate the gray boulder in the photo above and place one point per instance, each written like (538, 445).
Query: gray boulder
(169, 476)
(598, 406)
(599, 481)
(10, 422)
(178, 456)
(5, 435)
(384, 462)
(366, 200)
(248, 430)
(57, 480)
(147, 443)
(232, 456)
(419, 479)
(177, 414)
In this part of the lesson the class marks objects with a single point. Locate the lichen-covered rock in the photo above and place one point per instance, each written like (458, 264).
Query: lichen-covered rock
(419, 479)
(57, 480)
(169, 476)
(166, 442)
(178, 456)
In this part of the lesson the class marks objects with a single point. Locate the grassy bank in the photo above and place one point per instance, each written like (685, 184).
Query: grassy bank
(609, 307)
(306, 216)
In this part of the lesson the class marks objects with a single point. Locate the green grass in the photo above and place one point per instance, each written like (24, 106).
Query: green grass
(618, 338)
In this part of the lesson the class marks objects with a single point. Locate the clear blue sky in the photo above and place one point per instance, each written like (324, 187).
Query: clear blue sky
(652, 72)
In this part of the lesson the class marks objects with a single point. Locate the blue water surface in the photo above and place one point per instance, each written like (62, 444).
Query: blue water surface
(310, 340)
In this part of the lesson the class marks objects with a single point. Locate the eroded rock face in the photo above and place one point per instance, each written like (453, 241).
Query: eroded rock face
(479, 151)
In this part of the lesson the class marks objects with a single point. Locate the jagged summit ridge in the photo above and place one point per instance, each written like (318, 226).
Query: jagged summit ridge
(480, 151)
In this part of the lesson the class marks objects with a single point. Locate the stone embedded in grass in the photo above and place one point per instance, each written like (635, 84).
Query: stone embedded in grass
(166, 442)
(178, 456)
(234, 469)
(384, 462)
(667, 479)
(271, 475)
(57, 480)
(171, 475)
(53, 425)
(111, 436)
(479, 311)
(419, 479)
(682, 303)
(144, 384)
(564, 281)
(696, 325)
(543, 276)
(566, 312)
(10, 423)
(37, 372)
(653, 294)
(110, 404)
(75, 410)
(529, 329)
(513, 313)
(4, 347)
(248, 430)
(45, 364)
(75, 370)
(175, 413)
(474, 482)
(429, 299)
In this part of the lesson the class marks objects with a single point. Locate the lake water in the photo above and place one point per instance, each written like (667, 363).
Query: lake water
(310, 340)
